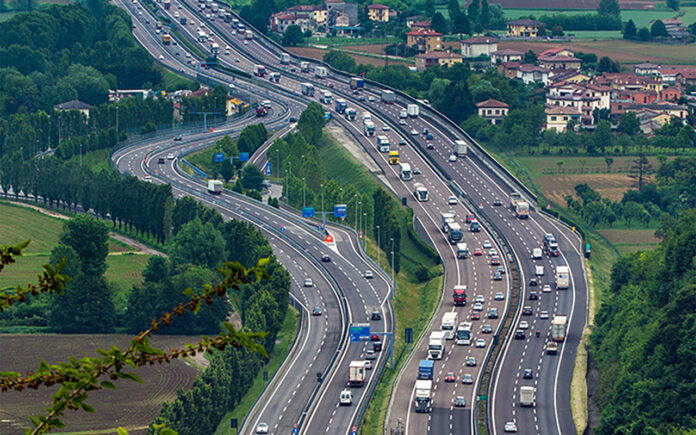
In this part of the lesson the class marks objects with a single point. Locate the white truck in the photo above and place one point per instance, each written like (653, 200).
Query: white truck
(449, 323)
(308, 89)
(356, 373)
(369, 128)
(420, 192)
(403, 113)
(464, 334)
(405, 171)
(514, 197)
(383, 144)
(423, 389)
(274, 77)
(558, 327)
(320, 72)
(527, 395)
(248, 35)
(445, 219)
(326, 97)
(413, 110)
(366, 116)
(215, 187)
(462, 250)
(304, 66)
(562, 277)
(460, 148)
(284, 58)
(522, 209)
(388, 96)
(436, 345)
(350, 114)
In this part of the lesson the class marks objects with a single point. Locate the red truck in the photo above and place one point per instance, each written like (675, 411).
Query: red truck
(459, 295)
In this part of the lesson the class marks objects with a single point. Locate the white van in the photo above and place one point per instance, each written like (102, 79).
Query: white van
(462, 250)
(539, 270)
(536, 253)
(346, 398)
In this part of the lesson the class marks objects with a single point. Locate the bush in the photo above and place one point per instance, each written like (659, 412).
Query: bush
(422, 274)
(149, 127)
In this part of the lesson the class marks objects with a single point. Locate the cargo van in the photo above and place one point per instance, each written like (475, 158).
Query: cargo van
(536, 253)
(462, 250)
(539, 270)
(346, 398)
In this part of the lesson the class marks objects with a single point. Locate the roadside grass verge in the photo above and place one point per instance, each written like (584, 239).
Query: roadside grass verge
(283, 340)
(97, 160)
(173, 81)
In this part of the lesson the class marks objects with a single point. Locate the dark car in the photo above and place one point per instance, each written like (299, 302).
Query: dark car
(376, 315)
(356, 92)
(377, 346)
(493, 313)
(426, 131)
(528, 374)
(293, 119)
(361, 98)
(429, 136)
(402, 142)
(316, 311)
(325, 258)
(533, 296)
(430, 146)
(470, 361)
(160, 160)
(416, 171)
(178, 137)
(497, 276)
(519, 335)
(533, 282)
(497, 202)
(527, 311)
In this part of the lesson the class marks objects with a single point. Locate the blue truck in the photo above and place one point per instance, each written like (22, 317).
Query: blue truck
(357, 83)
(425, 369)
(341, 106)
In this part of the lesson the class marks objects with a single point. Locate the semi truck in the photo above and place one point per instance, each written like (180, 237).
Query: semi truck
(320, 72)
(274, 77)
(369, 128)
(284, 58)
(166, 39)
(325, 97)
(383, 144)
(420, 192)
(460, 148)
(562, 277)
(388, 96)
(464, 334)
(214, 187)
(454, 233)
(259, 70)
(522, 210)
(405, 171)
(308, 89)
(304, 66)
(514, 197)
(350, 114)
(341, 105)
(436, 345)
(423, 388)
(357, 83)
(462, 250)
(558, 327)
(527, 395)
(356, 373)
(214, 47)
(450, 320)
(459, 295)
(248, 35)
(446, 218)
(366, 117)
(394, 157)
(413, 110)
(425, 369)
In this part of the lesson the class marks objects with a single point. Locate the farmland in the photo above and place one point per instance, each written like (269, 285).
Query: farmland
(641, 18)
(131, 405)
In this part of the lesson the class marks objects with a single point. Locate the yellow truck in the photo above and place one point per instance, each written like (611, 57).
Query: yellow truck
(393, 157)
(166, 39)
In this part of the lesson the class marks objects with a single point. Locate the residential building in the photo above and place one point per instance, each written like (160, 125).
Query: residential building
(318, 13)
(671, 109)
(280, 21)
(523, 28)
(558, 51)
(424, 40)
(529, 73)
(442, 58)
(675, 28)
(492, 110)
(643, 97)
(560, 62)
(479, 46)
(584, 98)
(509, 69)
(78, 105)
(413, 19)
(557, 117)
(378, 12)
(686, 77)
(335, 8)
(647, 69)
(569, 76)
(506, 55)
(420, 25)
(629, 81)
(670, 94)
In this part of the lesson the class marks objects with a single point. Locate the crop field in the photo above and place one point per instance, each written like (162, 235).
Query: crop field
(557, 187)
(641, 18)
(318, 53)
(132, 405)
(627, 241)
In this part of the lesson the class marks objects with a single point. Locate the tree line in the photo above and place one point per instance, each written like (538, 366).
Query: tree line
(644, 338)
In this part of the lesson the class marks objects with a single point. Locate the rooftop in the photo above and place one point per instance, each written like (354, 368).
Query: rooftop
(73, 105)
(561, 110)
(424, 32)
(525, 22)
(491, 103)
(377, 6)
(508, 52)
(559, 59)
(439, 55)
(481, 40)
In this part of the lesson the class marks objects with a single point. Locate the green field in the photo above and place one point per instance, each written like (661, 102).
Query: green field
(173, 81)
(641, 18)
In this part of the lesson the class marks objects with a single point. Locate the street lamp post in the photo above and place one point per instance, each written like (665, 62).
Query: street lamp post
(357, 204)
(364, 215)
(304, 194)
(392, 255)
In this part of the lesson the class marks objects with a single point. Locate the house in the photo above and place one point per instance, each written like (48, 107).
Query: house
(74, 105)
(509, 69)
(319, 14)
(421, 25)
(442, 58)
(650, 121)
(675, 28)
(529, 73)
(524, 28)
(559, 51)
(506, 55)
(378, 12)
(686, 77)
(479, 46)
(643, 97)
(670, 94)
(492, 110)
(335, 8)
(280, 21)
(585, 98)
(629, 81)
(557, 117)
(647, 69)
(412, 19)
(569, 76)
(424, 40)
(671, 109)
(560, 62)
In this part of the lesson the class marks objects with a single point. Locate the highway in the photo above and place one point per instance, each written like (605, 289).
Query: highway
(482, 183)
(290, 398)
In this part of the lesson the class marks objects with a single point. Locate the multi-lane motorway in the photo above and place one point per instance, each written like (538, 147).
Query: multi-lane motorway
(474, 177)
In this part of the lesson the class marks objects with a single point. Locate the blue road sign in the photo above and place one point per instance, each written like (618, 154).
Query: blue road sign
(327, 116)
(267, 168)
(354, 430)
(282, 229)
(243, 157)
(340, 210)
(295, 429)
(359, 332)
(218, 157)
(308, 212)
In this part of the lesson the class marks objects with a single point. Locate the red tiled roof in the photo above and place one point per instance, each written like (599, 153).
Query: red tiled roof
(377, 6)
(439, 55)
(481, 40)
(561, 110)
(559, 59)
(424, 23)
(427, 32)
(491, 103)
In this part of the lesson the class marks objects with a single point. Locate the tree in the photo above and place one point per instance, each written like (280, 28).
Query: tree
(602, 135)
(86, 307)
(557, 30)
(430, 8)
(461, 24)
(226, 170)
(252, 177)
(340, 60)
(609, 161)
(630, 31)
(89, 238)
(453, 9)
(293, 36)
(673, 4)
(530, 57)
(609, 7)
(485, 16)
(438, 23)
(643, 34)
(640, 171)
(629, 124)
(473, 11)
(607, 65)
(197, 244)
(658, 29)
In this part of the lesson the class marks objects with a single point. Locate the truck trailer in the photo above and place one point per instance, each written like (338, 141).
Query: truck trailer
(425, 369)
(558, 327)
(413, 110)
(527, 395)
(562, 277)
(422, 401)
(308, 89)
(450, 320)
(214, 187)
(460, 148)
(356, 373)
(388, 96)
(436, 344)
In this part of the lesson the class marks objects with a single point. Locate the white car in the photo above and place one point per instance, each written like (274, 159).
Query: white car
(544, 315)
(148, 178)
(262, 428)
(487, 244)
(499, 296)
(467, 378)
(368, 364)
(524, 325)
(453, 158)
(478, 306)
(452, 200)
(414, 132)
(492, 253)
(546, 288)
(385, 127)
(161, 57)
(402, 122)
(480, 299)
(510, 426)
(308, 282)
(368, 274)
(170, 156)
(480, 342)
(371, 99)
(188, 55)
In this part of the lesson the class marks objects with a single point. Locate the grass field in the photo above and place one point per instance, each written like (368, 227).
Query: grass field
(641, 18)
(131, 405)
(173, 81)
(631, 240)
(96, 160)
(283, 342)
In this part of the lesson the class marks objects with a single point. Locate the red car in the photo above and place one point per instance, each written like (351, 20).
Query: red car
(476, 316)
(478, 251)
(470, 218)
(449, 377)
(495, 261)
(331, 85)
(374, 337)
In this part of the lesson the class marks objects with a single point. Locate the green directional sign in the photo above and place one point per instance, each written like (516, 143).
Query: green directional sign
(482, 397)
